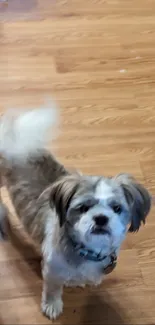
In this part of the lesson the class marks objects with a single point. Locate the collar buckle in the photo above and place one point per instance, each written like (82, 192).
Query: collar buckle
(109, 268)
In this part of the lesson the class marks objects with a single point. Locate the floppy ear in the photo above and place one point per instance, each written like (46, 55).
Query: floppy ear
(138, 198)
(62, 192)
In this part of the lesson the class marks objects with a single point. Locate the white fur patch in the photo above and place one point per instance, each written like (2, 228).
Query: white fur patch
(103, 191)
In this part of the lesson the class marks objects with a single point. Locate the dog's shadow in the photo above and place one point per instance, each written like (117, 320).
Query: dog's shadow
(27, 251)
(102, 310)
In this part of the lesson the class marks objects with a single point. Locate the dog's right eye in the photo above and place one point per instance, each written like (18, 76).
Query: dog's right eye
(84, 208)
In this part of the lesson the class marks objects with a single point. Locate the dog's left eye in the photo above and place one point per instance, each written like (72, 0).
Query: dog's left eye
(117, 208)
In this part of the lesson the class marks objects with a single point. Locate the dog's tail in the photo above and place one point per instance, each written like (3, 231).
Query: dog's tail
(25, 133)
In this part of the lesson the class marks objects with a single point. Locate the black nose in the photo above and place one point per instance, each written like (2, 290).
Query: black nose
(101, 220)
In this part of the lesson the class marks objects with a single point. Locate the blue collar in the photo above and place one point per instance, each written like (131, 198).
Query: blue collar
(90, 255)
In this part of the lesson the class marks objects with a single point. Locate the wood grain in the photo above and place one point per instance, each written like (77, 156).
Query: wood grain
(96, 58)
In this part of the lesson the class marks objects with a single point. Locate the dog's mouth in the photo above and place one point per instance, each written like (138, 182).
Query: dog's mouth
(99, 231)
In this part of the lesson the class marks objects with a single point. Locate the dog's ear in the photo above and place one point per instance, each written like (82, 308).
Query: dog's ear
(62, 193)
(138, 198)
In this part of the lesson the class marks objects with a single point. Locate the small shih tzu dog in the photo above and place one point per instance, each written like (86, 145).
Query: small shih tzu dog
(79, 222)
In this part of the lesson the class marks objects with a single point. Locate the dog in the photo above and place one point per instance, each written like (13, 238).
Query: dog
(78, 221)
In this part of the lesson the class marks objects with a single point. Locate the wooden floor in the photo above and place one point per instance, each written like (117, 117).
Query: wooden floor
(96, 58)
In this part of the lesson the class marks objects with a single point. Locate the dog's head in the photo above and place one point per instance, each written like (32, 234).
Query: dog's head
(98, 211)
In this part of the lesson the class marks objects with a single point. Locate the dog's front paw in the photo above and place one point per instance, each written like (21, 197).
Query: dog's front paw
(53, 308)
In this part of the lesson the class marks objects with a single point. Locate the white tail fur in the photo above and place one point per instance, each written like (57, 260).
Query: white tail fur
(24, 133)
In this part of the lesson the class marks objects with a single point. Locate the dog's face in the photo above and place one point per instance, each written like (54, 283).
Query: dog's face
(97, 212)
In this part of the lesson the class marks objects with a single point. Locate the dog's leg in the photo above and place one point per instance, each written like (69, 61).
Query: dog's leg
(3, 221)
(3, 217)
(52, 304)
